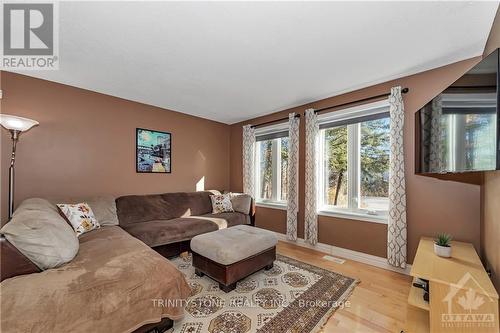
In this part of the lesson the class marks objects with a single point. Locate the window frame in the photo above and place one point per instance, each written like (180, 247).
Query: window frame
(276, 200)
(353, 173)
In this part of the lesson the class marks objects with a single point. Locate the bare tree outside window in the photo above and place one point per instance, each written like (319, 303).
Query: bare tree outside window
(266, 169)
(272, 170)
(336, 166)
(284, 168)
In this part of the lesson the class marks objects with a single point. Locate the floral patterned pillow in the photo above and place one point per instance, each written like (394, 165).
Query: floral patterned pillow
(80, 216)
(221, 203)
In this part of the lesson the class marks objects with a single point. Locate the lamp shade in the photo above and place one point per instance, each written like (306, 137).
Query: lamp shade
(16, 123)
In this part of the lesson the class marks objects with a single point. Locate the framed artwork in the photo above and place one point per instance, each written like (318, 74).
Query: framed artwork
(153, 151)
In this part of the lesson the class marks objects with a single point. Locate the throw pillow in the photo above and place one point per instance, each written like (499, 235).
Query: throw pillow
(241, 202)
(103, 207)
(39, 232)
(80, 216)
(221, 203)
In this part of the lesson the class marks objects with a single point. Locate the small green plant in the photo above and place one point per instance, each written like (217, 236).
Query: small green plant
(443, 240)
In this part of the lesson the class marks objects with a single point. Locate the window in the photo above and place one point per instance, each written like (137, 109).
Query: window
(354, 164)
(271, 168)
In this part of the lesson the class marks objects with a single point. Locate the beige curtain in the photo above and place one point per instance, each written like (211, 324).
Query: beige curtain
(396, 238)
(249, 160)
(310, 211)
(293, 177)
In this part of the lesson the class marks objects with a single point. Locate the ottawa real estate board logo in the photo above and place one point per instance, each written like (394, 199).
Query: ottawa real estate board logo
(30, 39)
(469, 307)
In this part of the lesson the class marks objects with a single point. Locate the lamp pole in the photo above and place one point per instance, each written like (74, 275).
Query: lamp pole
(15, 137)
(15, 125)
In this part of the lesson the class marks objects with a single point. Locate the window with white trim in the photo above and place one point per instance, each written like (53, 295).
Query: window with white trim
(354, 162)
(271, 183)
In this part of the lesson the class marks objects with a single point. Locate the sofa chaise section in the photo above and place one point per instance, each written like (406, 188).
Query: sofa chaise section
(160, 232)
(95, 289)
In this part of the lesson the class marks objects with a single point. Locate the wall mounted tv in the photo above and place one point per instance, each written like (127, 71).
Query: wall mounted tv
(458, 131)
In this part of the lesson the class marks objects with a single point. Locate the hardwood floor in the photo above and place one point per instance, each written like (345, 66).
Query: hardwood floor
(378, 303)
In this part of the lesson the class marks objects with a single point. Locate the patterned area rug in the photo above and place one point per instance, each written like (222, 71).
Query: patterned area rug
(291, 297)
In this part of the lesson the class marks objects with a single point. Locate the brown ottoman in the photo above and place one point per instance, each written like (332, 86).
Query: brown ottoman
(229, 255)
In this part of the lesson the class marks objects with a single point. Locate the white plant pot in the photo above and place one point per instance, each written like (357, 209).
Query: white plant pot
(442, 251)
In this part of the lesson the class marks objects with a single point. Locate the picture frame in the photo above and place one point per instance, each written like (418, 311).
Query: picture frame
(153, 151)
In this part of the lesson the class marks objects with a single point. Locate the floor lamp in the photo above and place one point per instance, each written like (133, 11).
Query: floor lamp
(15, 125)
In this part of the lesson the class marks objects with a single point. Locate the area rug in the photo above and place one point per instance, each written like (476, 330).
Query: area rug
(291, 297)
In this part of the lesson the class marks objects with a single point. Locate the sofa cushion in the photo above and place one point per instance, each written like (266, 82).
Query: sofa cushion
(39, 232)
(104, 207)
(134, 209)
(161, 232)
(241, 202)
(231, 245)
(110, 286)
(225, 220)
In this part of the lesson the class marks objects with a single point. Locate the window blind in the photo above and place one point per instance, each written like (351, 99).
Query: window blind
(272, 135)
(354, 120)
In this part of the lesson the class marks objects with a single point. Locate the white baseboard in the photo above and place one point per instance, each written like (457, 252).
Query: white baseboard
(347, 254)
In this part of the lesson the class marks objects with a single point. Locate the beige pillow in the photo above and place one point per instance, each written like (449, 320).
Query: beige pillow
(39, 232)
(214, 192)
(104, 207)
(80, 216)
(241, 202)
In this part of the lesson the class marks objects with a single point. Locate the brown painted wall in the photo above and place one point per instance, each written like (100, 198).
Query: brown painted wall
(490, 199)
(434, 205)
(490, 226)
(85, 144)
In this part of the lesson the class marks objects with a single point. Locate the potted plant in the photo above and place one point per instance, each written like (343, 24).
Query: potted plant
(442, 246)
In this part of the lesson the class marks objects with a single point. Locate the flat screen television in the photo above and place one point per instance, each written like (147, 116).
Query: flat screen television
(458, 131)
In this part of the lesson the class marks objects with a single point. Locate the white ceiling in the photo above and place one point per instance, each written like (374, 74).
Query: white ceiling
(234, 61)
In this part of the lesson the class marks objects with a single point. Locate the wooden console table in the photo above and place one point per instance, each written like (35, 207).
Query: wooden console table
(462, 296)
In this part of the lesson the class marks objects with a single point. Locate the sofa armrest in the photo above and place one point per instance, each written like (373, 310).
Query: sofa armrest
(13, 262)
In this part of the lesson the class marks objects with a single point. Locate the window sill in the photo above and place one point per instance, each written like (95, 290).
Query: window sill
(273, 205)
(354, 216)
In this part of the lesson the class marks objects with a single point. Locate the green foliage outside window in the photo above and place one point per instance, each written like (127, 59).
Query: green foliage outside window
(374, 153)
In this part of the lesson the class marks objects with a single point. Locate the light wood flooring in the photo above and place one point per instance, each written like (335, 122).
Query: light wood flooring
(378, 303)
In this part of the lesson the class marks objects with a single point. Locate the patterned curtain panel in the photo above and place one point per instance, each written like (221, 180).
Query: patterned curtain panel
(396, 238)
(249, 160)
(311, 215)
(436, 161)
(293, 177)
(432, 136)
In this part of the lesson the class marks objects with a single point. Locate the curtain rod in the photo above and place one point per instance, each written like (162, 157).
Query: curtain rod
(404, 91)
(274, 121)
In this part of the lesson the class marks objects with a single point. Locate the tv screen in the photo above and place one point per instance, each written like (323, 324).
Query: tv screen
(458, 130)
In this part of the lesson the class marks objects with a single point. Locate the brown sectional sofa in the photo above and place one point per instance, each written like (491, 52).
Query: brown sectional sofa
(110, 267)
(167, 222)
